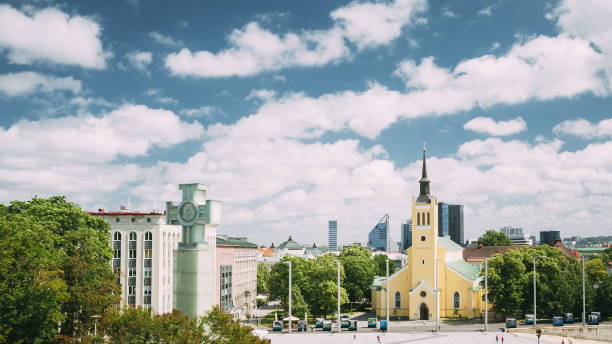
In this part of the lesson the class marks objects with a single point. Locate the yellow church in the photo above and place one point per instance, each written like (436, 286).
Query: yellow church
(434, 263)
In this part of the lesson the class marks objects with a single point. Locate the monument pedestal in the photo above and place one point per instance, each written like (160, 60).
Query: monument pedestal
(194, 279)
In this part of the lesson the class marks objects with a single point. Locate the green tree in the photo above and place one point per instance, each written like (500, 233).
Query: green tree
(138, 326)
(381, 270)
(507, 280)
(83, 263)
(328, 298)
(32, 287)
(494, 238)
(360, 269)
(263, 278)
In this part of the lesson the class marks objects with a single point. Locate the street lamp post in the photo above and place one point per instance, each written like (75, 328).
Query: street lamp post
(486, 294)
(338, 266)
(290, 296)
(387, 266)
(535, 314)
(583, 295)
(437, 294)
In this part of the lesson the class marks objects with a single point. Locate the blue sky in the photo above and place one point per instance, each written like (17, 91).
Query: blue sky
(296, 113)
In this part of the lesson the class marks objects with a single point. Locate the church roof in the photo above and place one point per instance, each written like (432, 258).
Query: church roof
(465, 269)
(290, 244)
(449, 244)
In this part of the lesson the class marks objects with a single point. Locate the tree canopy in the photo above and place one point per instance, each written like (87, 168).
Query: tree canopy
(559, 282)
(494, 238)
(62, 277)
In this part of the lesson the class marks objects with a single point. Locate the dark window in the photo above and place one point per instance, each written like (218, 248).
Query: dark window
(456, 300)
(398, 299)
(423, 238)
(423, 293)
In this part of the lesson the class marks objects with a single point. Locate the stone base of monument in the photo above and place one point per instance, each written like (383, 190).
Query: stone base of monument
(194, 282)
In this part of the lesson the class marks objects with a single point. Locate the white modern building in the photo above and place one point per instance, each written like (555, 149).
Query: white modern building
(143, 248)
(516, 235)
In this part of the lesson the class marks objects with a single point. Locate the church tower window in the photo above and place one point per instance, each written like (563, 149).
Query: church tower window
(428, 218)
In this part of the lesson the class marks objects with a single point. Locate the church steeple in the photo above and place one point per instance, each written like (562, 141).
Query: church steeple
(424, 196)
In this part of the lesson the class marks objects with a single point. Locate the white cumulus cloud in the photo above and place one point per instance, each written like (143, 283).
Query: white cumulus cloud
(487, 125)
(50, 35)
(140, 60)
(254, 49)
(582, 128)
(129, 131)
(25, 83)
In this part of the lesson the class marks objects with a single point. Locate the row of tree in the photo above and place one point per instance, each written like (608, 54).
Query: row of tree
(314, 281)
(55, 275)
(558, 281)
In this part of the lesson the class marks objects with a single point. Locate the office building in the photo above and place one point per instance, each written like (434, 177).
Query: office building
(143, 246)
(236, 276)
(549, 237)
(379, 237)
(516, 235)
(406, 235)
(443, 219)
(332, 235)
(450, 221)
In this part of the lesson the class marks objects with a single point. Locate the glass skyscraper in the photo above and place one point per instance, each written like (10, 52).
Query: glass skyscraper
(332, 235)
(450, 221)
(406, 235)
(379, 236)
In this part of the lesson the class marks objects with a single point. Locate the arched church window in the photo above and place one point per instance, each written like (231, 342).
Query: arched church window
(427, 218)
(398, 299)
(456, 300)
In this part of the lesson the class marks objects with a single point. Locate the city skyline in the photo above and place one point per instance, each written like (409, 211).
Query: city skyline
(297, 113)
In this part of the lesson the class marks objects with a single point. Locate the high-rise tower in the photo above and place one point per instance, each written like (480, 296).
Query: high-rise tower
(332, 235)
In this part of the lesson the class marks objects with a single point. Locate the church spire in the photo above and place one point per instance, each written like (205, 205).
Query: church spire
(424, 196)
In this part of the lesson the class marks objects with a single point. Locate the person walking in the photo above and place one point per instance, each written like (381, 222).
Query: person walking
(378, 339)
(502, 339)
(496, 338)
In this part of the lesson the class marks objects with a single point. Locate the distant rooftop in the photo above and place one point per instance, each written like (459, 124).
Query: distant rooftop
(234, 241)
(124, 212)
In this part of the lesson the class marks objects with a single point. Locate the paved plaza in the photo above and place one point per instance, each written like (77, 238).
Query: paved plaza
(467, 337)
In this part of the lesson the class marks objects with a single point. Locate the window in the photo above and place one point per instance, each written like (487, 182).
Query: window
(147, 248)
(427, 218)
(117, 219)
(117, 236)
(148, 219)
(423, 293)
(456, 300)
(117, 255)
(418, 219)
(133, 219)
(398, 299)
(423, 261)
(423, 238)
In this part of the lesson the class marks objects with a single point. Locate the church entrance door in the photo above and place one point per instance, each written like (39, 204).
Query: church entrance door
(424, 312)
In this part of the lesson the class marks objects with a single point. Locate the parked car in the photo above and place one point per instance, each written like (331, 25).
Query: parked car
(353, 325)
(569, 318)
(593, 319)
(529, 319)
(302, 326)
(327, 325)
(372, 322)
(345, 323)
(557, 321)
(277, 325)
(384, 326)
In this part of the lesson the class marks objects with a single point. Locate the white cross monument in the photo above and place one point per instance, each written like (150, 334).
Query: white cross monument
(195, 258)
